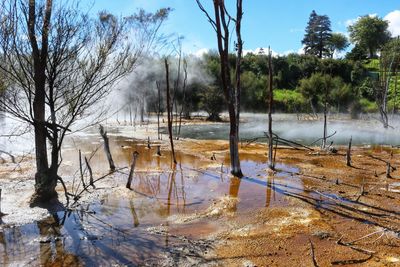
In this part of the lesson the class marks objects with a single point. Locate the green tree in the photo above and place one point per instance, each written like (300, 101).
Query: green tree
(318, 34)
(357, 53)
(212, 102)
(371, 33)
(337, 43)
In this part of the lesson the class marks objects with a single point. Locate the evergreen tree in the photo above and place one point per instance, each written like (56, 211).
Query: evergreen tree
(318, 34)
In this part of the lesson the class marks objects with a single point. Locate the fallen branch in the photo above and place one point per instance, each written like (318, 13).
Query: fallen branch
(355, 261)
(363, 237)
(315, 263)
(319, 139)
(382, 160)
(78, 196)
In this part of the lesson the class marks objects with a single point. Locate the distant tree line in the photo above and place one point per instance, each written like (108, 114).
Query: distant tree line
(355, 80)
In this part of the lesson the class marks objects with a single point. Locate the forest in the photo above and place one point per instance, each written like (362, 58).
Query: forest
(120, 147)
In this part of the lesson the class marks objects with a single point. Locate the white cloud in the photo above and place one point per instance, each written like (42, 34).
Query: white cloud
(350, 22)
(394, 22)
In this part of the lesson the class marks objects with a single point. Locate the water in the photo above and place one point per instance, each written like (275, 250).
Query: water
(363, 132)
(115, 228)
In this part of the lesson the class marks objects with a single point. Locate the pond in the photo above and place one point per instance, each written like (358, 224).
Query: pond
(368, 131)
(138, 227)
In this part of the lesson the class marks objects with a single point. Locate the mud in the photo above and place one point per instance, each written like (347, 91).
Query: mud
(195, 213)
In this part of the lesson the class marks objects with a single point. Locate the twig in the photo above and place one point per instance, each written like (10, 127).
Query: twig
(363, 237)
(315, 263)
(329, 136)
(77, 196)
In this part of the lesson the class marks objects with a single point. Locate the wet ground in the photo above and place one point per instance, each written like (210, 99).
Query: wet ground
(194, 213)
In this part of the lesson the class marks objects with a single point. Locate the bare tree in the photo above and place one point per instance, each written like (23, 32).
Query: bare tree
(58, 63)
(169, 110)
(389, 61)
(271, 163)
(221, 24)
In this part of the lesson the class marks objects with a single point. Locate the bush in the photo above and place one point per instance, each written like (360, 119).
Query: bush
(289, 101)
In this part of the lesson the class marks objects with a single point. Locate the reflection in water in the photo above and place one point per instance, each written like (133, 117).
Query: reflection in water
(113, 230)
(234, 191)
(134, 215)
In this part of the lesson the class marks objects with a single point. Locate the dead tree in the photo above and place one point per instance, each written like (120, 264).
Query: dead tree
(388, 169)
(159, 110)
(169, 110)
(348, 154)
(271, 163)
(90, 173)
(107, 148)
(221, 24)
(183, 98)
(389, 60)
(323, 146)
(134, 157)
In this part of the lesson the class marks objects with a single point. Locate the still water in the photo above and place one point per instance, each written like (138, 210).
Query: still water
(117, 229)
(366, 131)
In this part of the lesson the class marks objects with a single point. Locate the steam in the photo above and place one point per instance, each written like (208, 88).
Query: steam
(137, 94)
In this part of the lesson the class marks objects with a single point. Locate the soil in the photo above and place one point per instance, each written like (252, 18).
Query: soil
(317, 211)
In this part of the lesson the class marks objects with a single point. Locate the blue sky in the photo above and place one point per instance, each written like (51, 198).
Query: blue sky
(276, 23)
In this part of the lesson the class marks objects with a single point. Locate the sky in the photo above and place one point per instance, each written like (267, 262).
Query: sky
(279, 24)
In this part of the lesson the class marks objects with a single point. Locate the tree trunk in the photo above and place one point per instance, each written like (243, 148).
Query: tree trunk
(169, 112)
(325, 119)
(107, 148)
(271, 163)
(45, 177)
(134, 157)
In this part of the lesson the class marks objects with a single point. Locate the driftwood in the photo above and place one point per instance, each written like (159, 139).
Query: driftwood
(107, 148)
(134, 157)
(348, 154)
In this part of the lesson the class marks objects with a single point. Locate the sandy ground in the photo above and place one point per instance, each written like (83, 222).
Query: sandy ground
(333, 214)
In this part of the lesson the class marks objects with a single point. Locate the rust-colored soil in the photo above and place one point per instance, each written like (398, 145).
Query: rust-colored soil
(335, 206)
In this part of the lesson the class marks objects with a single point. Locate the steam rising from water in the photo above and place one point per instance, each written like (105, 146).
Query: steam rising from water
(364, 131)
